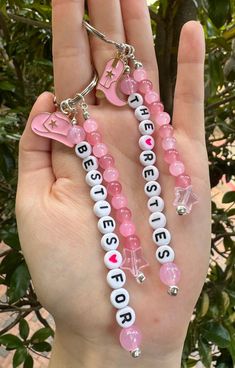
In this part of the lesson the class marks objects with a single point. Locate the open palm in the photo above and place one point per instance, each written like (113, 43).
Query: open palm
(57, 227)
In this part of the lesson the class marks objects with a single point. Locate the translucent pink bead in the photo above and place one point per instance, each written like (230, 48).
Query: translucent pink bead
(176, 168)
(94, 138)
(130, 338)
(168, 143)
(127, 228)
(171, 155)
(110, 174)
(140, 74)
(114, 188)
(151, 97)
(106, 161)
(156, 108)
(128, 85)
(100, 150)
(76, 134)
(166, 131)
(145, 86)
(90, 125)
(119, 201)
(182, 181)
(123, 214)
(163, 118)
(169, 274)
(132, 242)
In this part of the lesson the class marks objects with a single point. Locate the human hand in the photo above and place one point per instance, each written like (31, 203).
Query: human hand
(57, 227)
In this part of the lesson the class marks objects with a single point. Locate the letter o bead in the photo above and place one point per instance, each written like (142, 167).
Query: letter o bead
(165, 254)
(116, 278)
(119, 298)
(125, 317)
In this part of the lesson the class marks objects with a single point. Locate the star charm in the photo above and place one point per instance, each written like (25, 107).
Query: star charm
(53, 123)
(110, 74)
(184, 197)
(133, 261)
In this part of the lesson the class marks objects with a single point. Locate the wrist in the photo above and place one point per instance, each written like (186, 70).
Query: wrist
(70, 350)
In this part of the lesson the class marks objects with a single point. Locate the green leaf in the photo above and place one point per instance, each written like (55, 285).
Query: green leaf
(42, 346)
(7, 86)
(10, 262)
(7, 161)
(219, 12)
(231, 212)
(11, 341)
(19, 283)
(217, 334)
(10, 236)
(229, 197)
(205, 353)
(24, 329)
(41, 335)
(19, 356)
(28, 363)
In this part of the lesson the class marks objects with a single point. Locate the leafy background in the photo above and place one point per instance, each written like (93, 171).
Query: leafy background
(26, 71)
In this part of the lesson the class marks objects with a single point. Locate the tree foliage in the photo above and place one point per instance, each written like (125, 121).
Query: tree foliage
(26, 71)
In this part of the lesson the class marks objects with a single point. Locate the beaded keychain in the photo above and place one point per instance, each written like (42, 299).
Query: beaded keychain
(118, 69)
(63, 126)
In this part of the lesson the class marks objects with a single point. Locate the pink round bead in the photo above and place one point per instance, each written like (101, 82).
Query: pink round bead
(100, 149)
(127, 228)
(94, 138)
(168, 143)
(156, 108)
(106, 161)
(166, 131)
(114, 188)
(90, 125)
(123, 214)
(176, 168)
(130, 338)
(110, 174)
(163, 118)
(169, 274)
(183, 181)
(76, 134)
(145, 86)
(128, 85)
(132, 242)
(171, 155)
(139, 74)
(118, 201)
(151, 97)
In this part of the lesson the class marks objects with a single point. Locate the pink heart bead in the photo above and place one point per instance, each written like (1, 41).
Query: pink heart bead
(130, 338)
(169, 274)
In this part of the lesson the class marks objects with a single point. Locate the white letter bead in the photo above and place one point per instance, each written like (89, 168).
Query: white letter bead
(94, 177)
(161, 236)
(157, 219)
(152, 188)
(106, 224)
(83, 149)
(109, 241)
(146, 127)
(150, 173)
(147, 158)
(165, 254)
(135, 100)
(102, 208)
(90, 163)
(142, 113)
(116, 278)
(146, 142)
(113, 259)
(155, 204)
(125, 317)
(98, 193)
(119, 298)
